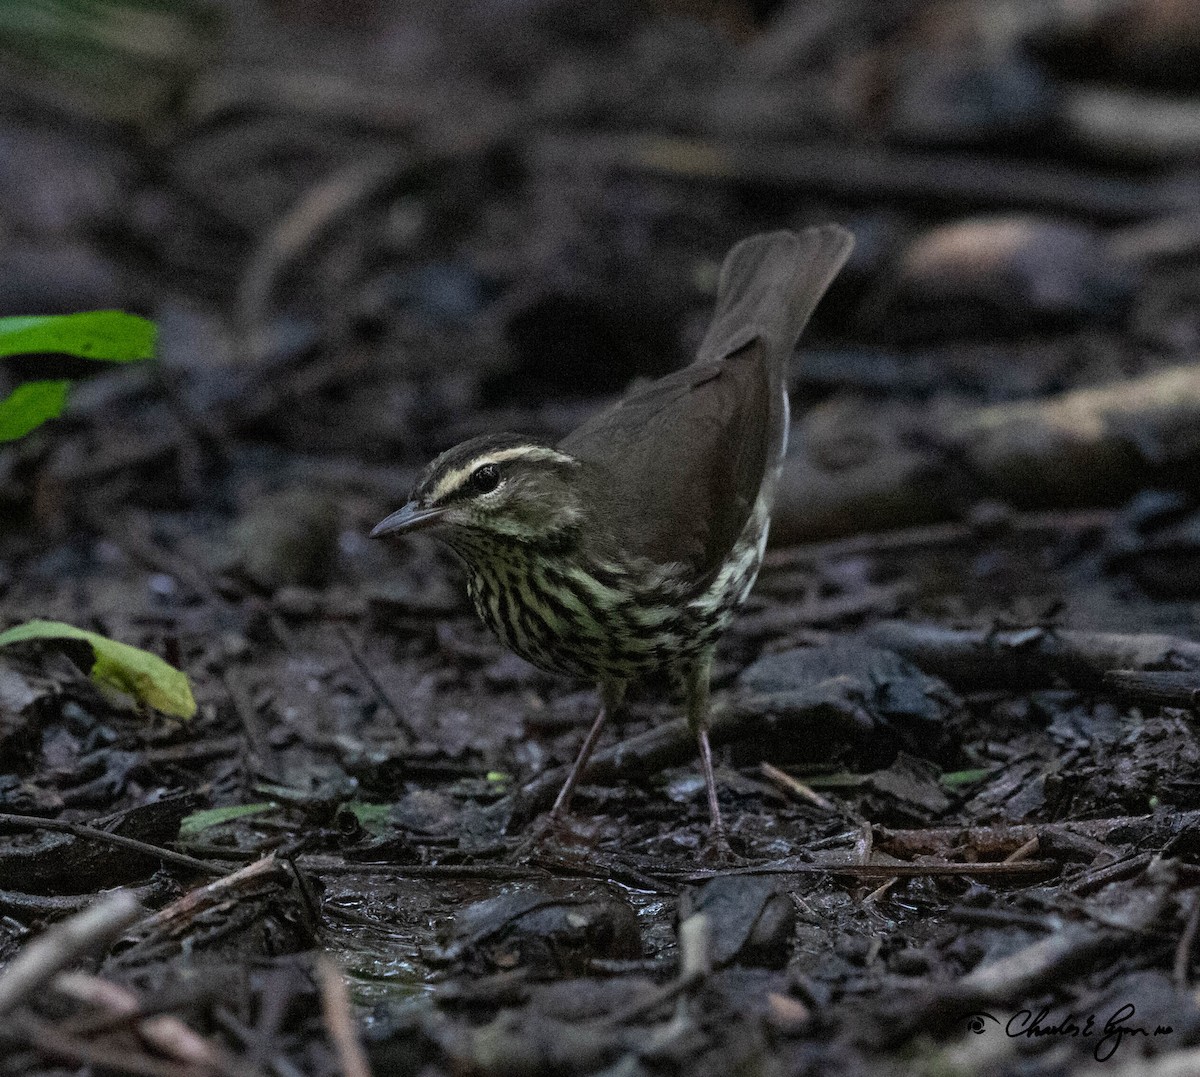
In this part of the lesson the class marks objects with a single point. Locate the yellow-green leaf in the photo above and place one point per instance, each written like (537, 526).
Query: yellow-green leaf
(372, 817)
(199, 821)
(143, 675)
(111, 335)
(29, 405)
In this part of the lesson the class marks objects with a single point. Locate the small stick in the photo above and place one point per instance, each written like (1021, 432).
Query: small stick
(335, 1004)
(243, 705)
(795, 786)
(92, 931)
(91, 833)
(321, 864)
(881, 890)
(203, 897)
(932, 536)
(53, 1042)
(1092, 879)
(877, 871)
(1024, 852)
(695, 965)
(368, 675)
(120, 1007)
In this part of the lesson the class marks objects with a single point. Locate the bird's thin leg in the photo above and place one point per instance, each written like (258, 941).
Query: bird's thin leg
(696, 682)
(710, 784)
(610, 700)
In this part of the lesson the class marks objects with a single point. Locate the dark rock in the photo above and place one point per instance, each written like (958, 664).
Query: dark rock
(752, 919)
(545, 928)
(908, 791)
(875, 694)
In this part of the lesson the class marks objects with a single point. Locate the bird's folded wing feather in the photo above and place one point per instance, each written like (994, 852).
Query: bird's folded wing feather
(681, 460)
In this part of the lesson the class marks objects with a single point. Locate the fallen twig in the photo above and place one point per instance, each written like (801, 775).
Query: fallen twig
(795, 787)
(910, 540)
(873, 171)
(1000, 840)
(115, 1006)
(117, 1058)
(321, 864)
(90, 932)
(368, 675)
(335, 1004)
(89, 833)
(876, 871)
(1163, 688)
(758, 717)
(695, 966)
(180, 913)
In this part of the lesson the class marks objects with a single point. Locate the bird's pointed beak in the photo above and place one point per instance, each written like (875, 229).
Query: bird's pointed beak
(412, 517)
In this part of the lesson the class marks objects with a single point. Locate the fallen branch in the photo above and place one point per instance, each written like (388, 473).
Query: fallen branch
(55, 907)
(179, 914)
(893, 870)
(1029, 657)
(104, 837)
(1087, 447)
(924, 538)
(1162, 688)
(871, 172)
(1001, 839)
(115, 1006)
(55, 1043)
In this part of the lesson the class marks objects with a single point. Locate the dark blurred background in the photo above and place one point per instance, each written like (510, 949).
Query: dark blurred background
(368, 229)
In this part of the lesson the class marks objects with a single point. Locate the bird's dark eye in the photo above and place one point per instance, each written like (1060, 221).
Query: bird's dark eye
(485, 479)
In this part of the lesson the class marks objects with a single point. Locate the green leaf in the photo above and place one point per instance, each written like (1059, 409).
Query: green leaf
(29, 405)
(111, 335)
(374, 818)
(141, 674)
(199, 821)
(956, 778)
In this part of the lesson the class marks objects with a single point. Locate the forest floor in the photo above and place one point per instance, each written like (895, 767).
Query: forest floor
(954, 724)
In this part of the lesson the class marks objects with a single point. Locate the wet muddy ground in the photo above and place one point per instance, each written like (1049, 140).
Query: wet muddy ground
(954, 724)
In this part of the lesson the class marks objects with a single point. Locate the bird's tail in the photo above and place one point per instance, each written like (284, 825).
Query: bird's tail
(770, 285)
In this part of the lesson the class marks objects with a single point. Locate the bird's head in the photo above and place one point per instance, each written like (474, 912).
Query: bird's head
(497, 484)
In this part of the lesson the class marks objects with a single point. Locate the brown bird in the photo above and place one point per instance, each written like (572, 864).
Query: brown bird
(628, 546)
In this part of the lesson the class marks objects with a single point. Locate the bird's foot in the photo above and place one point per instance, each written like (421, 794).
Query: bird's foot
(552, 828)
(717, 852)
(532, 841)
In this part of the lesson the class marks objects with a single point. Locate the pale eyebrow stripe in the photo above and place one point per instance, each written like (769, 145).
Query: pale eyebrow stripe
(452, 480)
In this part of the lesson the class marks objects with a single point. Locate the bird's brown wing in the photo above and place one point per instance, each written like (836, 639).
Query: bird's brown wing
(681, 461)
